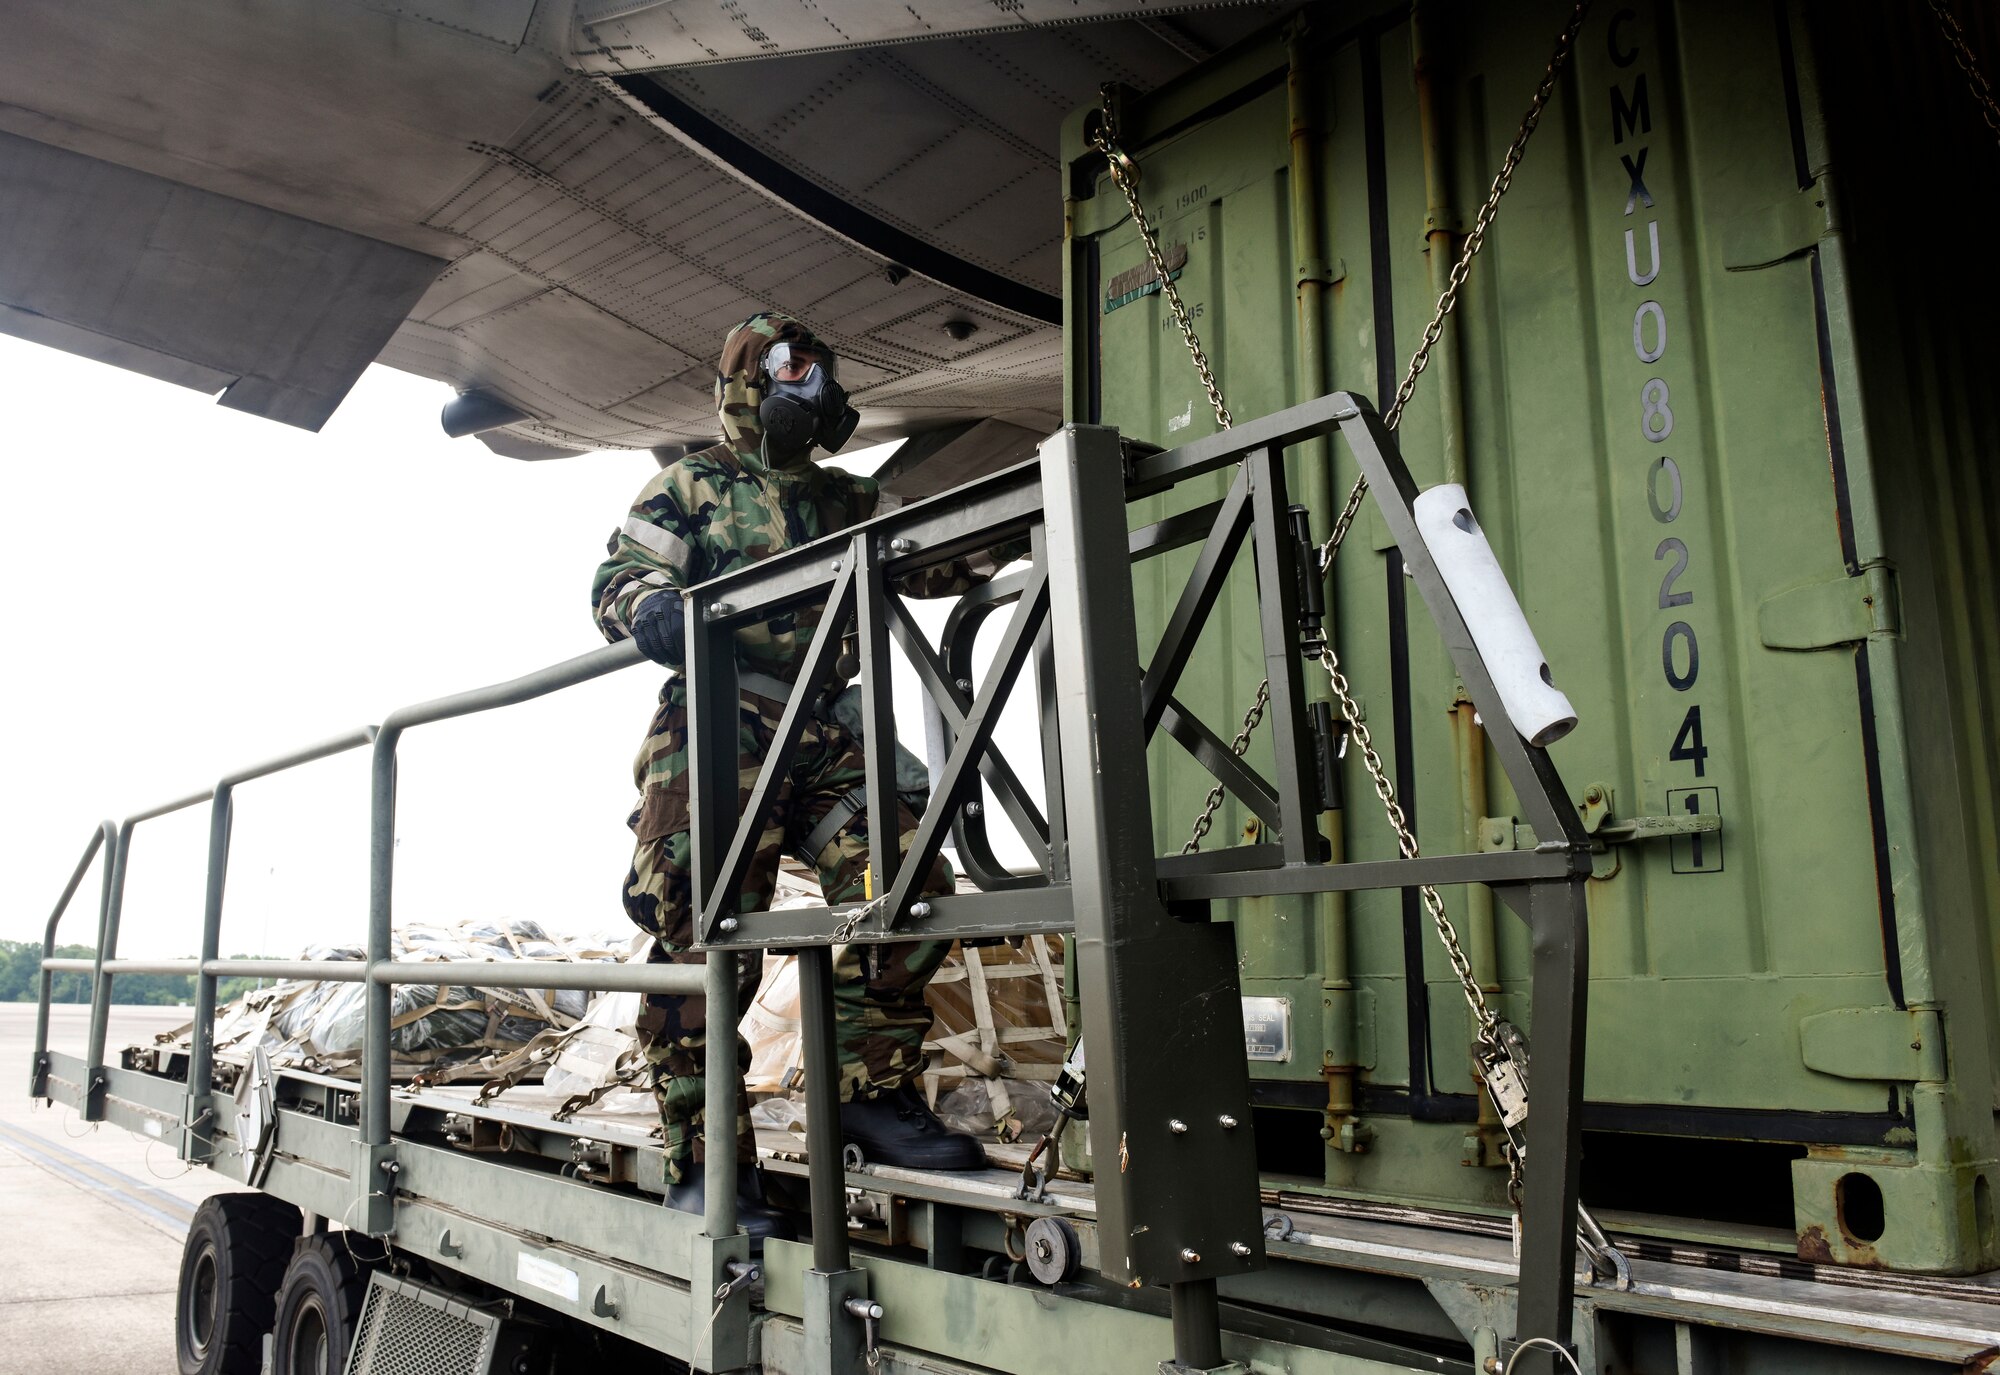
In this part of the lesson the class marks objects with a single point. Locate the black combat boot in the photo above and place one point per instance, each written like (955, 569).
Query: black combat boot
(898, 1129)
(757, 1218)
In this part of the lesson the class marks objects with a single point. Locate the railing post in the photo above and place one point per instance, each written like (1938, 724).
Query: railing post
(721, 1084)
(1180, 1205)
(833, 1335)
(375, 1182)
(100, 984)
(1278, 613)
(106, 835)
(198, 1135)
(878, 717)
(1559, 927)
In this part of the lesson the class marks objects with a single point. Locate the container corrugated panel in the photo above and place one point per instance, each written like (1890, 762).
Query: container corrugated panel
(1723, 414)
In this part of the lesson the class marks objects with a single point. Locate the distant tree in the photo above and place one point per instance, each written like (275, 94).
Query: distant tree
(21, 982)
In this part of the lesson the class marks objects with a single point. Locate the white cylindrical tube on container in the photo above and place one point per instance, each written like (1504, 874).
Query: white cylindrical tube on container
(1520, 672)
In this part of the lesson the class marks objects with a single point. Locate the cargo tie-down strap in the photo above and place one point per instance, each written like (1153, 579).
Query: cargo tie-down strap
(1499, 1049)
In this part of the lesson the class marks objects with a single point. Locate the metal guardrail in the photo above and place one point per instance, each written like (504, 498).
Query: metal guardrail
(377, 971)
(1149, 966)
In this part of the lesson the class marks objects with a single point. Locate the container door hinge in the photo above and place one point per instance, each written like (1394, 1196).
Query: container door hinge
(1825, 615)
(1893, 1044)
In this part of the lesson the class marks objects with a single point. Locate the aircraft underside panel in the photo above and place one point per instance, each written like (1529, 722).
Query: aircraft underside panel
(122, 266)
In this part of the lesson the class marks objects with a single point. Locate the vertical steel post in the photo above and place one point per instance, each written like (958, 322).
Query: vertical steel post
(714, 714)
(106, 835)
(721, 1081)
(1051, 731)
(381, 888)
(1177, 1164)
(1278, 613)
(196, 1144)
(1197, 1326)
(373, 1176)
(714, 720)
(100, 995)
(821, 1049)
(1558, 926)
(878, 715)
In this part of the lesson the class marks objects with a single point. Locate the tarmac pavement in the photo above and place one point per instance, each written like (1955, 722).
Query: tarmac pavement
(93, 1217)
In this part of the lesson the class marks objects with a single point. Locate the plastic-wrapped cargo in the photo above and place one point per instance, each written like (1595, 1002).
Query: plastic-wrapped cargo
(1729, 434)
(443, 1031)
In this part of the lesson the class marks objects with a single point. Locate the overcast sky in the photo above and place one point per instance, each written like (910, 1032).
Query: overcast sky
(188, 590)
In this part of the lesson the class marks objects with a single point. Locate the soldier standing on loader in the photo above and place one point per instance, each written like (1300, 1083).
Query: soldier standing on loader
(755, 494)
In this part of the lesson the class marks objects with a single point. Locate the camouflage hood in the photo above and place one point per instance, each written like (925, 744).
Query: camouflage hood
(737, 395)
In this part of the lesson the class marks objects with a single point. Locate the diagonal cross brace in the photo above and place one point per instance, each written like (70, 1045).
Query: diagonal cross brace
(954, 706)
(720, 894)
(972, 741)
(1212, 752)
(1198, 597)
(1544, 799)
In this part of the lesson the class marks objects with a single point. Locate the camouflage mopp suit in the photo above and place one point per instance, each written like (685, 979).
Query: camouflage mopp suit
(709, 513)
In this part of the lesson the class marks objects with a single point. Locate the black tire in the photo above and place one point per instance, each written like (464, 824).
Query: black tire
(318, 1306)
(231, 1266)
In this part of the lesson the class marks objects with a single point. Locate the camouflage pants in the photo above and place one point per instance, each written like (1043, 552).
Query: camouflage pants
(879, 1010)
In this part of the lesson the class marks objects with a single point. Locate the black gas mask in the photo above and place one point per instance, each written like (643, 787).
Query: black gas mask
(804, 404)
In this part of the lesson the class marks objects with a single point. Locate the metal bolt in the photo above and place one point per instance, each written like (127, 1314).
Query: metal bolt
(1228, 1122)
(1190, 1255)
(390, 1167)
(974, 808)
(728, 924)
(1176, 1126)
(717, 610)
(1239, 1248)
(835, 565)
(920, 910)
(901, 546)
(965, 685)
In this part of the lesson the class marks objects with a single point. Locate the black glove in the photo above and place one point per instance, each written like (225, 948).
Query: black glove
(659, 629)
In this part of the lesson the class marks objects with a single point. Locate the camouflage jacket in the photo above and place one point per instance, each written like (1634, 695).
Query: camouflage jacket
(710, 513)
(713, 511)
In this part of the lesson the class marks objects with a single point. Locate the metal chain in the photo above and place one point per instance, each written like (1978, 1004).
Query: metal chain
(1485, 1025)
(1487, 1036)
(1474, 241)
(1406, 844)
(1961, 52)
(1125, 176)
(1251, 719)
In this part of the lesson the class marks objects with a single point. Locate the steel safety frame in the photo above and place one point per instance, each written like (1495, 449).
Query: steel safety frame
(1153, 969)
(1139, 919)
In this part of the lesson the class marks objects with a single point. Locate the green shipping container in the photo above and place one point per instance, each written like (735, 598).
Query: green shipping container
(1716, 388)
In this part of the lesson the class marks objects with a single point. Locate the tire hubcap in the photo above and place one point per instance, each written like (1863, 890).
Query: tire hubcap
(309, 1344)
(200, 1303)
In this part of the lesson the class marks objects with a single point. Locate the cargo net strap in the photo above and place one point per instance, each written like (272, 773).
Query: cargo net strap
(1499, 1050)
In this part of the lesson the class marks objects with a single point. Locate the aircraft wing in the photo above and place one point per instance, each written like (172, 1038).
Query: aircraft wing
(560, 206)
